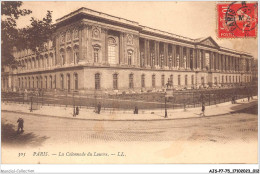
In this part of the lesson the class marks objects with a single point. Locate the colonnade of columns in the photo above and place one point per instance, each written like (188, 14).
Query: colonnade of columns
(164, 55)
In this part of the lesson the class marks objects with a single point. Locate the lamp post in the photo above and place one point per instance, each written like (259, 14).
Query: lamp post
(166, 95)
(31, 109)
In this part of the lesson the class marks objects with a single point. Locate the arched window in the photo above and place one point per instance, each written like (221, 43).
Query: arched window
(96, 49)
(76, 55)
(76, 85)
(47, 60)
(129, 57)
(69, 55)
(68, 82)
(163, 80)
(46, 82)
(50, 81)
(111, 51)
(153, 81)
(97, 81)
(32, 82)
(115, 81)
(25, 82)
(131, 81)
(61, 81)
(143, 81)
(55, 81)
(62, 57)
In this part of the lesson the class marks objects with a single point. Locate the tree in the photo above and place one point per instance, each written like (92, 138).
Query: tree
(31, 37)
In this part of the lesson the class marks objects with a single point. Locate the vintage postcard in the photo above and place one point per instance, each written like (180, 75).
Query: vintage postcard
(129, 82)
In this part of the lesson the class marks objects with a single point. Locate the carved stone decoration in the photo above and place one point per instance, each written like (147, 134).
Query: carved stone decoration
(129, 39)
(62, 38)
(96, 33)
(75, 33)
(208, 43)
(68, 36)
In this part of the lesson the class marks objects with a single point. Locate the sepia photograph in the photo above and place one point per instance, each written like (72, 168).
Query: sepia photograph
(145, 82)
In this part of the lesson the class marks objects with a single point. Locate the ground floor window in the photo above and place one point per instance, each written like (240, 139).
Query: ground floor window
(143, 81)
(76, 81)
(61, 81)
(115, 81)
(179, 79)
(97, 81)
(153, 80)
(186, 80)
(131, 81)
(163, 80)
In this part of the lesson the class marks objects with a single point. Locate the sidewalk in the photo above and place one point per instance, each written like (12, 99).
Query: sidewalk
(154, 114)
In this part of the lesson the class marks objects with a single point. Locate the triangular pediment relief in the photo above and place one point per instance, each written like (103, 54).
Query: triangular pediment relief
(209, 42)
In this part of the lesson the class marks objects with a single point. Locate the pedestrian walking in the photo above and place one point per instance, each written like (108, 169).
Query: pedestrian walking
(20, 124)
(98, 107)
(77, 110)
(203, 109)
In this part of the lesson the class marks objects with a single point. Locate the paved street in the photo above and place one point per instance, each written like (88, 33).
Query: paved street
(230, 138)
(215, 129)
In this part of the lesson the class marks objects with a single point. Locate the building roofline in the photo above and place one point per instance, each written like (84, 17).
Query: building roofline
(84, 10)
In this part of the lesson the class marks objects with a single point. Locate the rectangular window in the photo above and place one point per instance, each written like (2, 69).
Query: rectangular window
(143, 81)
(186, 80)
(153, 81)
(129, 58)
(192, 79)
(131, 81)
(97, 81)
(95, 55)
(62, 82)
(115, 81)
(179, 79)
(163, 81)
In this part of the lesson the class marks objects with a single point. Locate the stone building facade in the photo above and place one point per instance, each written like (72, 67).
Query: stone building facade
(92, 51)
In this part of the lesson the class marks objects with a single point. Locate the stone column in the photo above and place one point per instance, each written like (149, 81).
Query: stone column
(156, 54)
(193, 59)
(181, 56)
(199, 59)
(145, 52)
(203, 60)
(106, 46)
(121, 48)
(174, 56)
(148, 53)
(166, 57)
(188, 58)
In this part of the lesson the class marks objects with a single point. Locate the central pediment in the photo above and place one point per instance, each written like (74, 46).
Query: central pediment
(208, 42)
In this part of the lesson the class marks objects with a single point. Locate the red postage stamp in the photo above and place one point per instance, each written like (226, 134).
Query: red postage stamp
(237, 19)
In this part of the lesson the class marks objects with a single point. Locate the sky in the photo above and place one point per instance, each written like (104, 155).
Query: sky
(190, 19)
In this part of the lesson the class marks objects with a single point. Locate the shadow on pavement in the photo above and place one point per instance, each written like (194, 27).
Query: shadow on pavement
(250, 110)
(11, 137)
